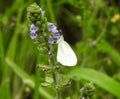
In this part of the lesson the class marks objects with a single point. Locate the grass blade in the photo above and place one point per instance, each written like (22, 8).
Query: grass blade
(26, 78)
(98, 78)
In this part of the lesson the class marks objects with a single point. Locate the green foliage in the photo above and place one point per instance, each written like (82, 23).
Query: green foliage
(90, 26)
(98, 78)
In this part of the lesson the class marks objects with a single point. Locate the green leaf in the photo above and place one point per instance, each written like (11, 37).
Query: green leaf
(48, 79)
(112, 53)
(100, 79)
(26, 78)
(13, 44)
(1, 51)
(37, 80)
(2, 61)
(5, 92)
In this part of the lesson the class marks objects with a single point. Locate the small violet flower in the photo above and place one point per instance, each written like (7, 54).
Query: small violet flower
(33, 35)
(83, 98)
(42, 11)
(51, 27)
(49, 53)
(33, 30)
(51, 40)
(56, 35)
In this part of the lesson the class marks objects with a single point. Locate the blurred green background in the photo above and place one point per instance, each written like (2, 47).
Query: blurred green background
(91, 27)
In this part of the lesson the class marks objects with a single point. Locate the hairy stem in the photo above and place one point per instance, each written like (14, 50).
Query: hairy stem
(54, 74)
(52, 64)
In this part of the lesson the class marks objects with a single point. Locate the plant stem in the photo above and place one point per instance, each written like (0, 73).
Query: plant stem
(54, 74)
(52, 64)
(102, 32)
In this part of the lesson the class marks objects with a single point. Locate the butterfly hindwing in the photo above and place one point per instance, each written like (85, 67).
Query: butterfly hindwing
(65, 54)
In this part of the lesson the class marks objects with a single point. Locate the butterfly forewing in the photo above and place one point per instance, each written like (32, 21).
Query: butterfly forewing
(65, 54)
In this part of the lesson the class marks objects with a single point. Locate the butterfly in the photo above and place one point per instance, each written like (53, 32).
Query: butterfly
(65, 54)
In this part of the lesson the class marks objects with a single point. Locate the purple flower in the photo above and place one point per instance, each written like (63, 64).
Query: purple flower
(42, 11)
(56, 35)
(51, 27)
(33, 35)
(51, 40)
(33, 28)
(60, 31)
(49, 53)
(83, 98)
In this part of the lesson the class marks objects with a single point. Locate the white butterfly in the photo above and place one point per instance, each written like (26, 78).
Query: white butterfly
(65, 54)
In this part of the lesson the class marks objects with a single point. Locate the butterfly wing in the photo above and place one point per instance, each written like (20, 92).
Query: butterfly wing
(65, 54)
